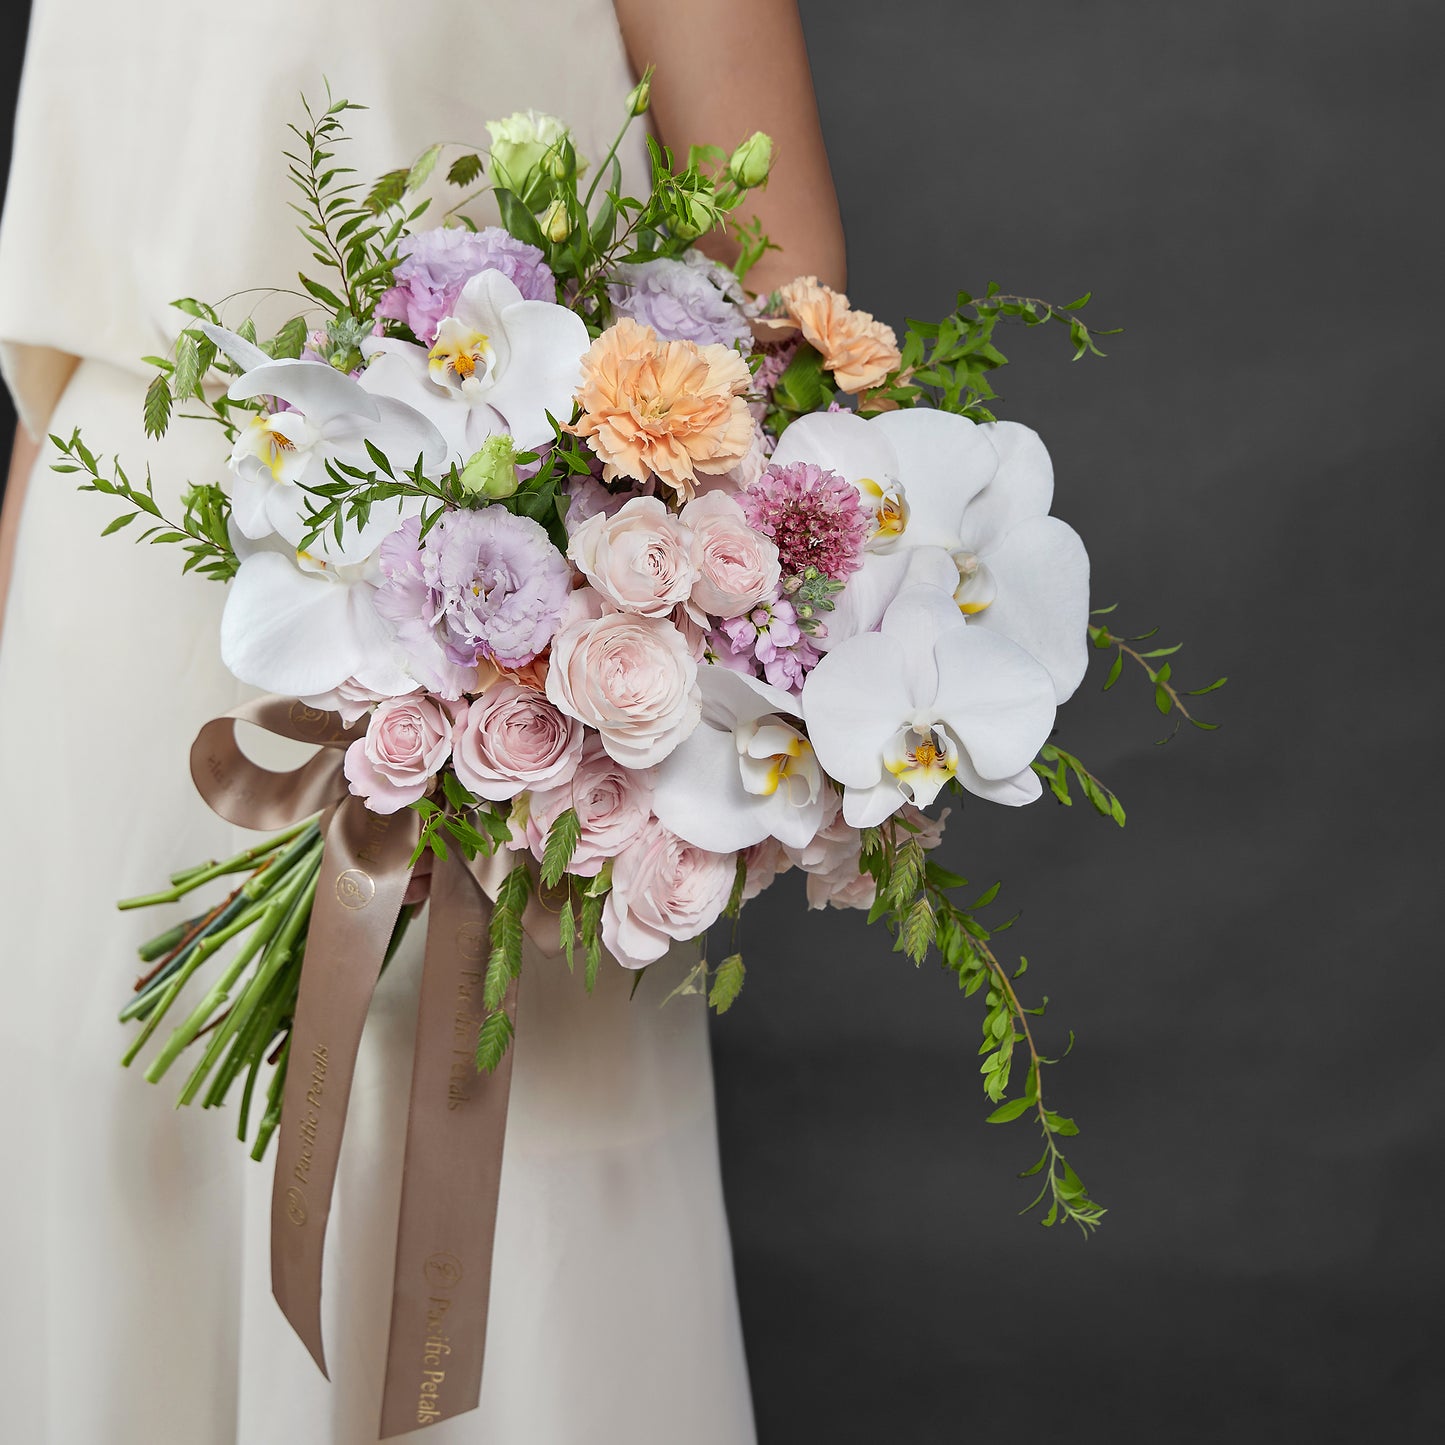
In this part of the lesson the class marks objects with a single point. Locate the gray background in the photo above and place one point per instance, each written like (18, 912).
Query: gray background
(1252, 965)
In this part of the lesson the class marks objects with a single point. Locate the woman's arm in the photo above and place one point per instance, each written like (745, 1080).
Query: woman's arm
(726, 68)
(22, 458)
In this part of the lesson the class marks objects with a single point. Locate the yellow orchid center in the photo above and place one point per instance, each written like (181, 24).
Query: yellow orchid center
(774, 756)
(460, 357)
(890, 510)
(976, 588)
(923, 758)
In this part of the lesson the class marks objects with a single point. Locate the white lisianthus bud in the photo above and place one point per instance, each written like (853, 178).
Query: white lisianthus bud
(492, 471)
(751, 161)
(520, 143)
(555, 223)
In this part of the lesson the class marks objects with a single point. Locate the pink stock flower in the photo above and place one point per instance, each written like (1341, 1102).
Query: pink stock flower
(767, 639)
(407, 741)
(663, 890)
(512, 738)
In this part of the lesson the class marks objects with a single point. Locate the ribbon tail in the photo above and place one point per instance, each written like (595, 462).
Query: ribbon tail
(363, 876)
(452, 1172)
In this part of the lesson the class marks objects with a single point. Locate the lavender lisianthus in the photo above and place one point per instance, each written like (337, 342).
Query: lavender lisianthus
(484, 584)
(693, 299)
(436, 264)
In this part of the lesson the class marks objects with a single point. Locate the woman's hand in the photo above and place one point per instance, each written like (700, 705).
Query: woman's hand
(726, 68)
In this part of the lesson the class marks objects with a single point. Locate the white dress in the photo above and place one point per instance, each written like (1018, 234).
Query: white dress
(135, 1302)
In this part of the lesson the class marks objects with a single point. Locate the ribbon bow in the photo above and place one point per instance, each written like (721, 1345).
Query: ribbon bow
(457, 1119)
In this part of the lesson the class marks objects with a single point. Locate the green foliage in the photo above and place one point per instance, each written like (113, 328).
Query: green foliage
(727, 983)
(494, 1038)
(202, 529)
(561, 844)
(1167, 697)
(915, 899)
(1054, 766)
(475, 827)
(949, 364)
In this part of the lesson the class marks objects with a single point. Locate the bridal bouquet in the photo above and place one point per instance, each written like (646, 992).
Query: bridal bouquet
(610, 593)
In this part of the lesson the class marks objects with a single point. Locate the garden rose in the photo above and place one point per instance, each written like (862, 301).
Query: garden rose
(641, 559)
(632, 678)
(613, 805)
(512, 738)
(407, 741)
(737, 567)
(662, 890)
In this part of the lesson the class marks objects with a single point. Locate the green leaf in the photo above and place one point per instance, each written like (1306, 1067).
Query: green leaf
(740, 879)
(322, 294)
(185, 379)
(919, 929)
(801, 387)
(1114, 671)
(464, 170)
(157, 407)
(561, 844)
(1007, 1112)
(124, 520)
(727, 983)
(493, 1039)
(567, 931)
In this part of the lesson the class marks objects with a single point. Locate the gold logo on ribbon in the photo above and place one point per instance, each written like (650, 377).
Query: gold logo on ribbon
(309, 720)
(442, 1270)
(355, 889)
(471, 939)
(295, 1205)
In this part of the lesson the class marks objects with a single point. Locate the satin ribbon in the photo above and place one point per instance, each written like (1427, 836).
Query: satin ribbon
(456, 1123)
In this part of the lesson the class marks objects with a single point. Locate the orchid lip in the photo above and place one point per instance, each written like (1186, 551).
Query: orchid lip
(977, 587)
(774, 756)
(923, 757)
(889, 504)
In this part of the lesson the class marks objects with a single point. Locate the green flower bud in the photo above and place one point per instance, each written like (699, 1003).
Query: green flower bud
(492, 472)
(520, 145)
(640, 96)
(752, 161)
(555, 223)
(691, 213)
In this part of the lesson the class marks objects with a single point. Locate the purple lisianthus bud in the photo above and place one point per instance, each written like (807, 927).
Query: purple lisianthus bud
(693, 299)
(436, 264)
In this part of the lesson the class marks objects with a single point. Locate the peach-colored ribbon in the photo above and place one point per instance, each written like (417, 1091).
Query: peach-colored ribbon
(457, 1119)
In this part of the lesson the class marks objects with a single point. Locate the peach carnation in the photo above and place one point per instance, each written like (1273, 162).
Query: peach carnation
(668, 409)
(859, 350)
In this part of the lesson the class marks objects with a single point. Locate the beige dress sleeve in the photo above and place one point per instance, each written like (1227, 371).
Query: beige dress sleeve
(137, 1304)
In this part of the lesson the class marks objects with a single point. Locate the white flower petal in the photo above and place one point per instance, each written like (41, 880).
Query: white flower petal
(868, 592)
(317, 390)
(730, 697)
(1015, 792)
(290, 633)
(698, 793)
(246, 354)
(543, 371)
(916, 619)
(840, 442)
(1042, 574)
(995, 699)
(854, 701)
(398, 371)
(944, 461)
(1022, 488)
(867, 807)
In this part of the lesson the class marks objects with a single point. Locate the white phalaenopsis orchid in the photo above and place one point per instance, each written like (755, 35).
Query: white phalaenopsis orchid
(746, 773)
(330, 417)
(974, 502)
(895, 714)
(300, 626)
(499, 363)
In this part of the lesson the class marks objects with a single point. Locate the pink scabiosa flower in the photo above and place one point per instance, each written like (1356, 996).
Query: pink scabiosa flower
(813, 517)
(767, 639)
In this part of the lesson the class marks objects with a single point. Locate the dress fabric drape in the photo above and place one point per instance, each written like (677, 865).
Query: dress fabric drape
(135, 1305)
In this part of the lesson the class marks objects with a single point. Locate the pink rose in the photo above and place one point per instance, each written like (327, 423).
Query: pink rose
(512, 738)
(662, 890)
(613, 806)
(632, 678)
(407, 741)
(765, 861)
(737, 567)
(641, 559)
